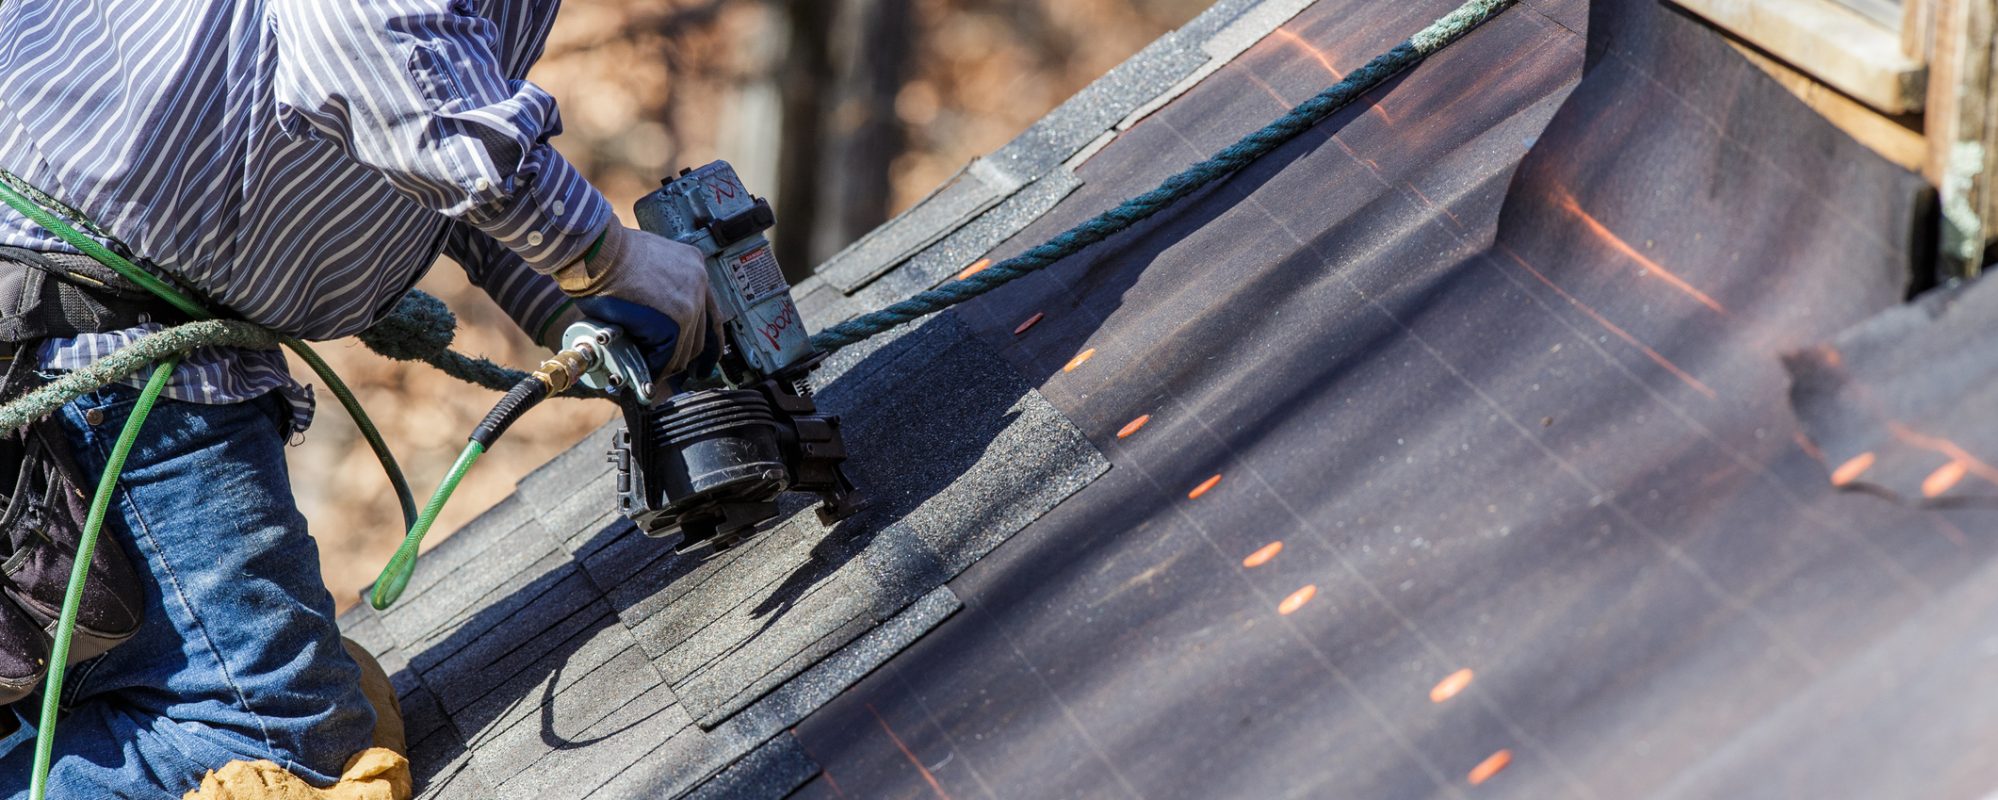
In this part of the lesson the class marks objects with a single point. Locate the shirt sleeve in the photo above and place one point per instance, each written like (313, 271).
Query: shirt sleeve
(414, 91)
(530, 298)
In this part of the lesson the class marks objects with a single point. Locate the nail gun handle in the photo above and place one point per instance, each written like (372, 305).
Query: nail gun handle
(710, 209)
(615, 366)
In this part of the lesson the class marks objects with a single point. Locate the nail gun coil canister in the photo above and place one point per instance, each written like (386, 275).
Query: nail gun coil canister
(705, 464)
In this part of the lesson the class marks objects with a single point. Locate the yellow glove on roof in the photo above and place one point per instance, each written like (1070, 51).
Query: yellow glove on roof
(373, 774)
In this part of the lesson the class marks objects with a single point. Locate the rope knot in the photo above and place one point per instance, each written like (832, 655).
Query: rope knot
(419, 329)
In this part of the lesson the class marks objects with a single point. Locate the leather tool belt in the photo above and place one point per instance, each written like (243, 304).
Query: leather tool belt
(44, 493)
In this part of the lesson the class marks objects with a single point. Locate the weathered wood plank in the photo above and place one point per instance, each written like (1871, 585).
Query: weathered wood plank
(1963, 135)
(1839, 46)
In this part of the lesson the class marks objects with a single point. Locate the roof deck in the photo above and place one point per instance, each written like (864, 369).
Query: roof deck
(1511, 498)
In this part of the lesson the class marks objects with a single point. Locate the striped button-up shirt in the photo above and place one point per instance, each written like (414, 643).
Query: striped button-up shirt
(300, 162)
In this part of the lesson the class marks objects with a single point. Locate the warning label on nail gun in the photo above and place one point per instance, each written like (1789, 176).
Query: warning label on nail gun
(756, 274)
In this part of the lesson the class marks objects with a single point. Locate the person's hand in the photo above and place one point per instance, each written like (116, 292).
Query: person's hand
(655, 288)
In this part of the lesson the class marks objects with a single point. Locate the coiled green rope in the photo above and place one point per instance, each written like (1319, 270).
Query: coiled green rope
(169, 343)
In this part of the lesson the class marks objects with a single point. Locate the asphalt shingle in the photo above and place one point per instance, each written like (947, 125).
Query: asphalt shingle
(772, 770)
(506, 693)
(691, 756)
(560, 713)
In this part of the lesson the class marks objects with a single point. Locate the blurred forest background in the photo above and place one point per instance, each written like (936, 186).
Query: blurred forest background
(842, 112)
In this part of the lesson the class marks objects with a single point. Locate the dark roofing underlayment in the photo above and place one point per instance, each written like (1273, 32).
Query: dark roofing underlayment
(1902, 402)
(1497, 357)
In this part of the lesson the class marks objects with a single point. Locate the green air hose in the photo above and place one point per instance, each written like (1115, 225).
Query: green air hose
(526, 394)
(395, 576)
(79, 571)
(100, 503)
(396, 573)
(104, 255)
(352, 404)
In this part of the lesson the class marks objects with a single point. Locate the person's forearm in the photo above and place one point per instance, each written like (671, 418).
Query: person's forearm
(549, 219)
(531, 299)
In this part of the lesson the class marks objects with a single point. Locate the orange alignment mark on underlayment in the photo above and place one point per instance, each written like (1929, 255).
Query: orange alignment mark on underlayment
(1263, 555)
(1325, 60)
(931, 779)
(1612, 327)
(1951, 450)
(1297, 599)
(1031, 322)
(1852, 469)
(1450, 686)
(975, 268)
(1079, 360)
(1945, 477)
(1567, 203)
(1489, 767)
(1204, 487)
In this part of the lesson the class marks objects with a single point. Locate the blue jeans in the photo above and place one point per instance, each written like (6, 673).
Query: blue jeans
(239, 656)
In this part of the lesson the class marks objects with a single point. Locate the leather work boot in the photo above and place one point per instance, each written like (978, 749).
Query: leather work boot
(380, 692)
(24, 655)
(42, 524)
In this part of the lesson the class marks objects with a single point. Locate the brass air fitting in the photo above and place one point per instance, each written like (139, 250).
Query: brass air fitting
(563, 369)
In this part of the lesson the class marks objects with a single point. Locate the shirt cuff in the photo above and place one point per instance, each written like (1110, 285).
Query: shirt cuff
(548, 217)
(534, 312)
(529, 298)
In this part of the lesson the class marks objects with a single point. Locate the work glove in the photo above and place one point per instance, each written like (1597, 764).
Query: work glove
(652, 287)
(552, 330)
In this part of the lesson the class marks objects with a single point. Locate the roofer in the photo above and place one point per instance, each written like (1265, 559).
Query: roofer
(300, 163)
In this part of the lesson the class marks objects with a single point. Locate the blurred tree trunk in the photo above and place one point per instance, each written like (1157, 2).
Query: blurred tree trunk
(805, 80)
(845, 64)
(877, 47)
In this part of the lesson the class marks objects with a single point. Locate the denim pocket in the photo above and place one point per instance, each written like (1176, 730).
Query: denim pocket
(275, 406)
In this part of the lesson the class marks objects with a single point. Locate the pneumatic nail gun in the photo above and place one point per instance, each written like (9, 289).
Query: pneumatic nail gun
(707, 464)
